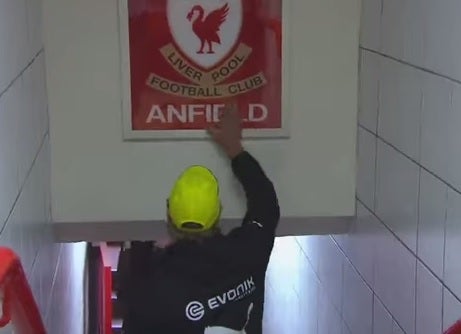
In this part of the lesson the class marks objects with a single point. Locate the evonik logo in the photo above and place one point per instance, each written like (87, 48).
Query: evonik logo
(195, 310)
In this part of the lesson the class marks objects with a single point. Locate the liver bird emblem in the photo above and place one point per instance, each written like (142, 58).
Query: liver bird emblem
(207, 27)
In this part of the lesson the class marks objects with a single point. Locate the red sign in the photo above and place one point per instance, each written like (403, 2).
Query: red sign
(189, 57)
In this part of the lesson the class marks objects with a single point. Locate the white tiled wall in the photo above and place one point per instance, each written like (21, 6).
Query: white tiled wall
(398, 270)
(52, 269)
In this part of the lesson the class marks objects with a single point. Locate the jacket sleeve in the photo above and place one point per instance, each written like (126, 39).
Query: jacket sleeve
(262, 203)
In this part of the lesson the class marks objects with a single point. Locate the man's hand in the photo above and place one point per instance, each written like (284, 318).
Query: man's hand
(227, 133)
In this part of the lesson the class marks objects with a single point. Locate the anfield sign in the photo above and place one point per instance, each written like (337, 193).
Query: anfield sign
(182, 60)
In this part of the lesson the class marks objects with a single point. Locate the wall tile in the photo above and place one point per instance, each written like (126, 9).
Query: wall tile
(329, 319)
(58, 316)
(441, 44)
(413, 32)
(33, 221)
(310, 247)
(452, 275)
(9, 108)
(43, 273)
(382, 320)
(269, 310)
(429, 292)
(454, 138)
(402, 30)
(72, 261)
(369, 90)
(357, 302)
(13, 40)
(366, 167)
(307, 290)
(432, 216)
(400, 107)
(34, 19)
(451, 309)
(395, 279)
(346, 329)
(287, 258)
(291, 305)
(31, 115)
(396, 329)
(436, 116)
(40, 99)
(12, 235)
(370, 24)
(281, 315)
(397, 193)
(360, 243)
(331, 270)
(392, 27)
(456, 42)
(28, 233)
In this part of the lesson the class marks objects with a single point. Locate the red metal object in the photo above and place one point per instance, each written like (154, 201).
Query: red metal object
(19, 307)
(455, 329)
(105, 275)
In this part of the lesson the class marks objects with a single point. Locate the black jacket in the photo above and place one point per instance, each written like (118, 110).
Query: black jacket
(217, 281)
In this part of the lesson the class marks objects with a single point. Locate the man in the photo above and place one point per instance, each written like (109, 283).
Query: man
(204, 282)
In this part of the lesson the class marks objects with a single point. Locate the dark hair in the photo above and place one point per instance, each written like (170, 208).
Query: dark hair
(194, 234)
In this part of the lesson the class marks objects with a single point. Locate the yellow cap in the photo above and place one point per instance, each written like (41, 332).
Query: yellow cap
(194, 203)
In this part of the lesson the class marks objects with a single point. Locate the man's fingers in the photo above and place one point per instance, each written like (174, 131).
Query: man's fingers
(213, 130)
(233, 108)
(230, 109)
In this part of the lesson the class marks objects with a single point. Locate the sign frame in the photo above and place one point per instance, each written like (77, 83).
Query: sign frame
(199, 134)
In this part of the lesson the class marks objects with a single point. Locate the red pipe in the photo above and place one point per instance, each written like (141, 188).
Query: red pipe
(455, 329)
(18, 305)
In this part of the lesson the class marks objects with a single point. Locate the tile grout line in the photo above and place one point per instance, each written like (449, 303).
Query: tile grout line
(317, 274)
(3, 224)
(404, 62)
(444, 251)
(417, 265)
(458, 298)
(373, 311)
(40, 247)
(418, 217)
(365, 282)
(343, 268)
(21, 188)
(34, 58)
(378, 112)
(412, 160)
(445, 222)
(317, 297)
(360, 274)
(55, 275)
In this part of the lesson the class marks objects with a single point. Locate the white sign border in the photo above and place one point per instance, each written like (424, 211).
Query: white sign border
(149, 135)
